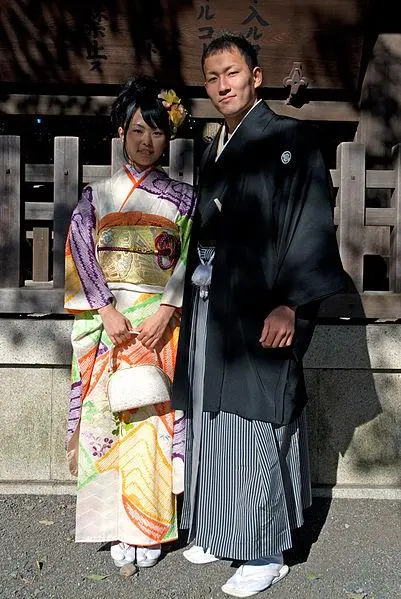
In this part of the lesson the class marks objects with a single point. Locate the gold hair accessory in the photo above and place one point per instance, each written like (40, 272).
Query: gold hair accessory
(176, 111)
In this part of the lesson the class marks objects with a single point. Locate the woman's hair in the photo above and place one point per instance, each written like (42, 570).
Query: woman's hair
(140, 92)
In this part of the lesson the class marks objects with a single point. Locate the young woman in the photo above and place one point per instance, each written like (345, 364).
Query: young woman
(125, 264)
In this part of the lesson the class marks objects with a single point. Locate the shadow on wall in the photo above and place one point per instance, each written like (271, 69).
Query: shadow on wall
(347, 400)
(334, 30)
(380, 127)
(353, 434)
(40, 39)
(36, 340)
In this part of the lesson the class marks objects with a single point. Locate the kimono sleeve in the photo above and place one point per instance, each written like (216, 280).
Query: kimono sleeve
(85, 285)
(174, 290)
(310, 267)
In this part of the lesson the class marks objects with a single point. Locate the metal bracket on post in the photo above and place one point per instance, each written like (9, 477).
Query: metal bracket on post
(296, 82)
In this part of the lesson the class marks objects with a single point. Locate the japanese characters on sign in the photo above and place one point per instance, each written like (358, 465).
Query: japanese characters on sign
(252, 22)
(96, 31)
(205, 20)
(254, 25)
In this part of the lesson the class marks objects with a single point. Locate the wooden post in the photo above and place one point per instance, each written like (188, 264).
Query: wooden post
(351, 162)
(10, 210)
(117, 157)
(40, 250)
(182, 160)
(395, 235)
(65, 198)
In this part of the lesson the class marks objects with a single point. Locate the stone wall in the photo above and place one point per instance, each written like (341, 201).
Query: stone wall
(353, 375)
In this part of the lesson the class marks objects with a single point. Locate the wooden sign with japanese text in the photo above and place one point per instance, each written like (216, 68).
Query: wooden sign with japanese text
(106, 42)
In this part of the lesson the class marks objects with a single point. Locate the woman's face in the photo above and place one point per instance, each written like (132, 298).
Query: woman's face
(144, 144)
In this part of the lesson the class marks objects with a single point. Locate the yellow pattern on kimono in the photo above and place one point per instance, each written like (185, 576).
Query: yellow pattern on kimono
(133, 455)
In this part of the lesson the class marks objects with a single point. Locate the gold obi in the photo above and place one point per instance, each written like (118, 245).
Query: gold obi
(138, 254)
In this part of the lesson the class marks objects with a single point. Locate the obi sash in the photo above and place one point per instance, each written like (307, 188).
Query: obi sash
(137, 248)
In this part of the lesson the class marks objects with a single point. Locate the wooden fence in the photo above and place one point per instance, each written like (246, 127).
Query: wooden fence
(41, 295)
(361, 230)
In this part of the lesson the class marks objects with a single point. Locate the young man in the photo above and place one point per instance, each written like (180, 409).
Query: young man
(264, 225)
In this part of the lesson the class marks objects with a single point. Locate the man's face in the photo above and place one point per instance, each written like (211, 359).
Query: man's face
(231, 85)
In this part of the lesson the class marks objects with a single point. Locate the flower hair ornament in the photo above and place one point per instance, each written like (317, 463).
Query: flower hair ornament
(176, 111)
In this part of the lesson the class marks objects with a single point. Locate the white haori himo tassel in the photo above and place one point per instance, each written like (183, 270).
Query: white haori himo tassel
(202, 275)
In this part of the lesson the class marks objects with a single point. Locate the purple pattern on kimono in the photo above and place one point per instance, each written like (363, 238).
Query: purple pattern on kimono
(83, 252)
(74, 413)
(179, 438)
(178, 193)
(102, 349)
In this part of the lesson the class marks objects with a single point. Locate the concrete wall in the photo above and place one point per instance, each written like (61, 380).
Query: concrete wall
(353, 374)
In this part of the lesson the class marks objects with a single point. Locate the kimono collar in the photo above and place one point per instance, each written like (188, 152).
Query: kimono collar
(136, 178)
(138, 174)
(224, 130)
(250, 128)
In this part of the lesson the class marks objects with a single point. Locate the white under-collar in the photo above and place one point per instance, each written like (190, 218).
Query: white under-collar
(221, 145)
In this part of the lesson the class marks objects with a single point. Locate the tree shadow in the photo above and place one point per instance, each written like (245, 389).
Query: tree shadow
(40, 40)
(344, 416)
(380, 127)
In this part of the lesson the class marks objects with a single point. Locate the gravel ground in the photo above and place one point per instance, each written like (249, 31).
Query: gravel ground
(348, 549)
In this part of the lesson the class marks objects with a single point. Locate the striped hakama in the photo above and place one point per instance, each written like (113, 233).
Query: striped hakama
(247, 482)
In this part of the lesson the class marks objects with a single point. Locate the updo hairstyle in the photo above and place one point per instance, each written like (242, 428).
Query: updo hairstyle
(140, 92)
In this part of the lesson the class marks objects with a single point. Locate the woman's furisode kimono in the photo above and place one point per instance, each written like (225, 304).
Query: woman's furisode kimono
(127, 245)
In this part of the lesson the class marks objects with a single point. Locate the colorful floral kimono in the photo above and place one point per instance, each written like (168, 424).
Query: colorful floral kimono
(127, 245)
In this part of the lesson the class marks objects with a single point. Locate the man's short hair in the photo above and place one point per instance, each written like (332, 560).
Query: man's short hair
(228, 41)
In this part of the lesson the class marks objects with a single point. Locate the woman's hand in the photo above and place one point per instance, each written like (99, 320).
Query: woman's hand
(152, 329)
(278, 327)
(116, 325)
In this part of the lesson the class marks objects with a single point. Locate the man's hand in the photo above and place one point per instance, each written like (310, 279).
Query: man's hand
(278, 327)
(116, 325)
(152, 329)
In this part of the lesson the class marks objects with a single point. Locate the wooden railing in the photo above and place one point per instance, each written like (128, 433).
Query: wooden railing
(366, 231)
(41, 295)
(361, 230)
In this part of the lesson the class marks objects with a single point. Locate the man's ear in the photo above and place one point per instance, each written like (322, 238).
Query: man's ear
(257, 75)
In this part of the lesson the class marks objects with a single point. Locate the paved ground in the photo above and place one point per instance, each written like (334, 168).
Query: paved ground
(349, 549)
